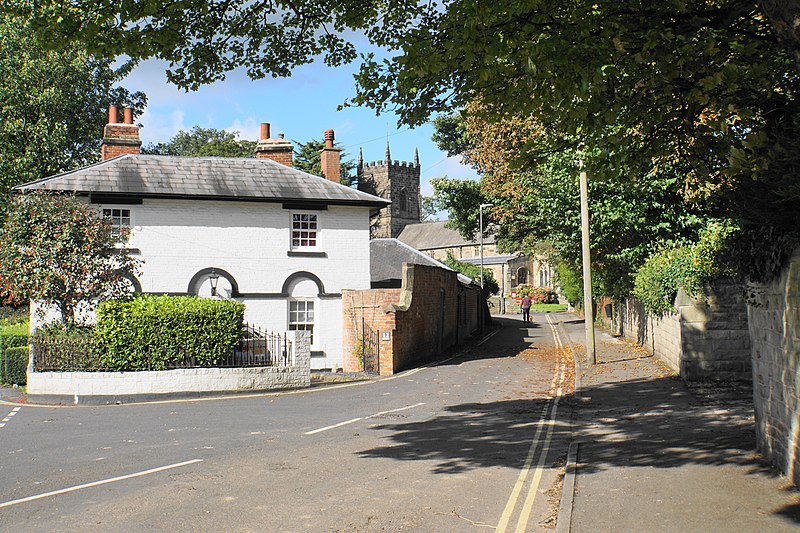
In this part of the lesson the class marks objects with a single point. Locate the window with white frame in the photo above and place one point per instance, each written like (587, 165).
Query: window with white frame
(301, 316)
(305, 228)
(121, 222)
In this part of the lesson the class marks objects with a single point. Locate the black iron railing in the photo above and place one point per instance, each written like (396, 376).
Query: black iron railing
(84, 353)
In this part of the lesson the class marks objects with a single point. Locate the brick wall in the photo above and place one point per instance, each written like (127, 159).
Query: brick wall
(422, 317)
(774, 319)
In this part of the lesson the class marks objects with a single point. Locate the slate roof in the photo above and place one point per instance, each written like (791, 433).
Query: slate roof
(388, 255)
(229, 178)
(431, 235)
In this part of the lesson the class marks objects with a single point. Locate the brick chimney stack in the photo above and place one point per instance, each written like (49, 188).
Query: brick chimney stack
(120, 138)
(330, 158)
(279, 150)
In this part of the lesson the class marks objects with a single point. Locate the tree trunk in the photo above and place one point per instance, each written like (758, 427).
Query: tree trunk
(784, 17)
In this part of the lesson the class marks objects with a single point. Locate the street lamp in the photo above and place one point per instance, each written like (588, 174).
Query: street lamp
(480, 217)
(214, 279)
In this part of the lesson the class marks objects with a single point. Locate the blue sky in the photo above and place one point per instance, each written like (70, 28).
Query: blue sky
(302, 107)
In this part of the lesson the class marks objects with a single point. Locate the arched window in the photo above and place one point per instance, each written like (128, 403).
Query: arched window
(213, 282)
(522, 276)
(402, 201)
(544, 277)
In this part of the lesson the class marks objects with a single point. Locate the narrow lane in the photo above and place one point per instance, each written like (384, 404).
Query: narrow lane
(440, 449)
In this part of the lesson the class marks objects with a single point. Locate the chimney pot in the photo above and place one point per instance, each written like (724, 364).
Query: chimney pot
(281, 136)
(264, 131)
(328, 138)
(128, 115)
(113, 116)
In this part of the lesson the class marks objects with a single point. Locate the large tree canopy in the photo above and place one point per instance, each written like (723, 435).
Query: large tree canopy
(708, 87)
(53, 106)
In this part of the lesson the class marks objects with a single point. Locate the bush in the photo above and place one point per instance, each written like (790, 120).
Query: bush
(158, 332)
(14, 365)
(689, 266)
(571, 283)
(14, 335)
(539, 295)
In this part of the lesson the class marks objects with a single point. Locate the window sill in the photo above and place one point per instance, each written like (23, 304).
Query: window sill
(300, 253)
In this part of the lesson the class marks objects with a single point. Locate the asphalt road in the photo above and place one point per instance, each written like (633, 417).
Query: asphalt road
(475, 442)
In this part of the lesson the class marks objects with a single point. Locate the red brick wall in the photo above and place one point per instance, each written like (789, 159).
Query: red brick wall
(330, 163)
(284, 157)
(120, 139)
(422, 317)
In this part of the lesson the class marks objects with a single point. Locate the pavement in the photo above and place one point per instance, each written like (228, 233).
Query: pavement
(655, 454)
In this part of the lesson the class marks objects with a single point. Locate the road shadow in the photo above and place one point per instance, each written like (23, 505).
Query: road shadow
(657, 423)
(512, 337)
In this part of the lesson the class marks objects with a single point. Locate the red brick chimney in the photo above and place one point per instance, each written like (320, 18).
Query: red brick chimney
(120, 138)
(329, 158)
(279, 150)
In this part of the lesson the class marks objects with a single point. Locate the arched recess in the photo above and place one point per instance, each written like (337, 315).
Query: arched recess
(522, 276)
(297, 276)
(135, 285)
(201, 276)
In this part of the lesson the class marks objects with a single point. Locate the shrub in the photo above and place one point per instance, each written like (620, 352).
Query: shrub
(158, 332)
(689, 266)
(14, 365)
(14, 335)
(571, 283)
(539, 295)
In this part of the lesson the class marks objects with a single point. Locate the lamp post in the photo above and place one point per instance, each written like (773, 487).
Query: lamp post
(214, 279)
(480, 217)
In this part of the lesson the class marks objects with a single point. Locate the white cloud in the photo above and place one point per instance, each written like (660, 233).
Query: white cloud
(161, 128)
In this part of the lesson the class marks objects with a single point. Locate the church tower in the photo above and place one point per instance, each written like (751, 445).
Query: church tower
(397, 182)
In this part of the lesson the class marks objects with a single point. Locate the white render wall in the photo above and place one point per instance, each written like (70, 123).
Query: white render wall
(250, 241)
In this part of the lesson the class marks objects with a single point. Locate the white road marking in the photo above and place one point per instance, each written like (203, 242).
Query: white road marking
(340, 424)
(487, 337)
(97, 483)
(8, 417)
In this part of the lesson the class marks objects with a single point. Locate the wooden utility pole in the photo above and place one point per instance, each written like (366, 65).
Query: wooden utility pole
(587, 268)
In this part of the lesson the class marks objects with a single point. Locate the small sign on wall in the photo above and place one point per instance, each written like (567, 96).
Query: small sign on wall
(386, 335)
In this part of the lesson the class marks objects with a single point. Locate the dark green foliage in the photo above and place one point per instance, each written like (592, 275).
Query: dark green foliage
(689, 267)
(158, 332)
(307, 157)
(53, 105)
(490, 286)
(14, 365)
(204, 142)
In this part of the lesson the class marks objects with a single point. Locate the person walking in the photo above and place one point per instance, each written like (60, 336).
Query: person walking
(526, 308)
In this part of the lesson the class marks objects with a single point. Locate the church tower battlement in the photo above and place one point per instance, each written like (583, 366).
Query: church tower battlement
(396, 181)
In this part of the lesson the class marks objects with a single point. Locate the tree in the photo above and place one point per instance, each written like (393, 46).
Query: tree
(53, 105)
(307, 157)
(490, 286)
(536, 200)
(204, 142)
(708, 86)
(58, 250)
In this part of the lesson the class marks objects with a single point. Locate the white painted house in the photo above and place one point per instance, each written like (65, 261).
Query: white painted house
(283, 242)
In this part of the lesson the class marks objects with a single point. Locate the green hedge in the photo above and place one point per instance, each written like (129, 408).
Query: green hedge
(14, 335)
(14, 365)
(158, 332)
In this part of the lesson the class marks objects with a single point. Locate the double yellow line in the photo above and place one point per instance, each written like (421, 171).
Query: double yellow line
(546, 424)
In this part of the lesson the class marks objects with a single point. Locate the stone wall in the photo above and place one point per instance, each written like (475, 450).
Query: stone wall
(395, 181)
(774, 318)
(432, 312)
(110, 387)
(706, 338)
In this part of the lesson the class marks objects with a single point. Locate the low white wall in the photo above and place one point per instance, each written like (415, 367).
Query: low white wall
(186, 380)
